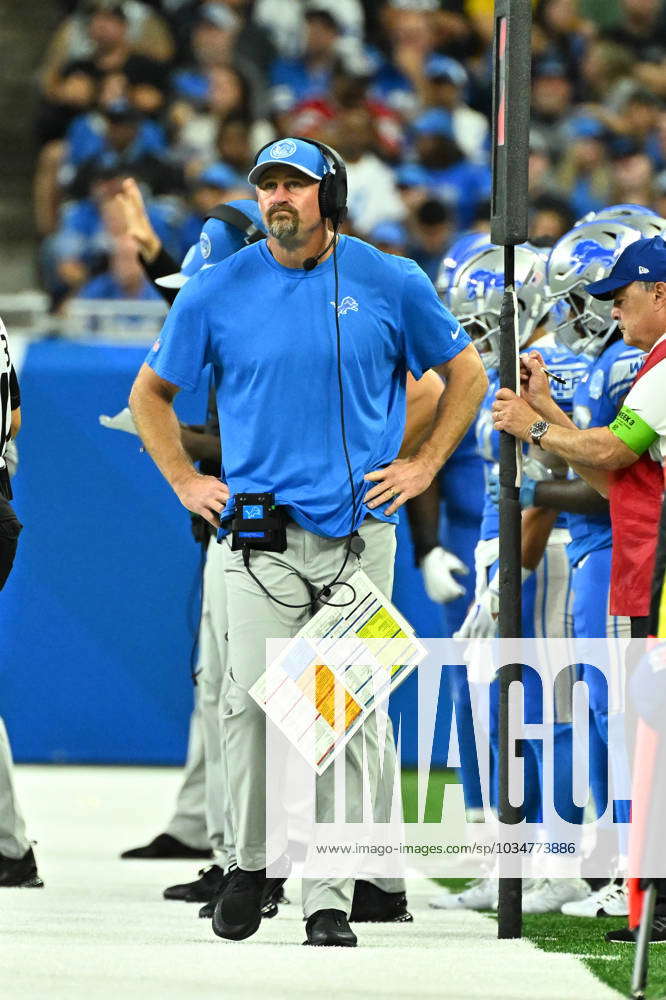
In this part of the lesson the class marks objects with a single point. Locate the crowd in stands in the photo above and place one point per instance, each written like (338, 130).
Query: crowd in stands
(181, 93)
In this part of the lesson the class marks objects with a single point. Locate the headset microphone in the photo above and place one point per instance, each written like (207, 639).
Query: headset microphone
(311, 262)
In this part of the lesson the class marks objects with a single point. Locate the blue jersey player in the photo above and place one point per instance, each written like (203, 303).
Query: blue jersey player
(445, 520)
(476, 296)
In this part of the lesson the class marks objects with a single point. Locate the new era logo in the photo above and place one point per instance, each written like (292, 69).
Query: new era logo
(643, 270)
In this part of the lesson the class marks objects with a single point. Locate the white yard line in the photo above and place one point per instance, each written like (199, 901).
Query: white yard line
(101, 930)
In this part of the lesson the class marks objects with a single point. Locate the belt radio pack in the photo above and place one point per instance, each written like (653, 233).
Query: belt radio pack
(259, 523)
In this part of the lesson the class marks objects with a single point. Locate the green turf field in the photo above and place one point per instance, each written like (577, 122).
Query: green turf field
(555, 932)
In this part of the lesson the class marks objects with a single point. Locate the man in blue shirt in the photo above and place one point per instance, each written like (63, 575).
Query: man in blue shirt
(286, 368)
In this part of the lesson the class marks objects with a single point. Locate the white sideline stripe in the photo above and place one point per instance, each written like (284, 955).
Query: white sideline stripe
(101, 930)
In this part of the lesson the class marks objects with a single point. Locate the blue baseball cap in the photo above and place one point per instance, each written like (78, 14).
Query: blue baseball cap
(219, 175)
(644, 260)
(437, 121)
(439, 67)
(218, 240)
(295, 153)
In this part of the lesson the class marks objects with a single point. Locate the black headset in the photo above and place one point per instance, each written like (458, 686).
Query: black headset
(333, 185)
(235, 217)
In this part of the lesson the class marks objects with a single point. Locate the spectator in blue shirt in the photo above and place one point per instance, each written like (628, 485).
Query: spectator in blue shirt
(214, 41)
(310, 74)
(431, 234)
(584, 170)
(125, 278)
(81, 244)
(215, 184)
(117, 129)
(451, 178)
(445, 88)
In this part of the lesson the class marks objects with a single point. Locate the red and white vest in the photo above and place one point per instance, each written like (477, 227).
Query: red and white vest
(635, 497)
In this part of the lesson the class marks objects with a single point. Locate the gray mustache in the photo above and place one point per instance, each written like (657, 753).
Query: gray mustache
(282, 208)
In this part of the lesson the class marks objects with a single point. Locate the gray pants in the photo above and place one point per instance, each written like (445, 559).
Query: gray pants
(189, 822)
(203, 816)
(252, 619)
(13, 841)
(213, 661)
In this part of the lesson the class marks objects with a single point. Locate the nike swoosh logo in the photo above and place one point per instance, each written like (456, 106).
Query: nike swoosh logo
(454, 336)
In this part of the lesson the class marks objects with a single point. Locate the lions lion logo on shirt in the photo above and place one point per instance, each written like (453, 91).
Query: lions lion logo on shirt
(348, 304)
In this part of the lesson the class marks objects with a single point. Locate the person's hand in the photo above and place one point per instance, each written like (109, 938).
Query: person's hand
(527, 489)
(438, 568)
(403, 479)
(203, 495)
(512, 414)
(534, 384)
(481, 620)
(126, 215)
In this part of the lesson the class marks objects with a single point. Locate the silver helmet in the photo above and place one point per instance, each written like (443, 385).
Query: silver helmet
(460, 250)
(585, 254)
(477, 289)
(646, 220)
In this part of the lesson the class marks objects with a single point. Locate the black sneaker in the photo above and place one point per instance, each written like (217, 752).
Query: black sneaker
(272, 896)
(166, 846)
(238, 911)
(626, 936)
(329, 929)
(208, 886)
(374, 906)
(20, 873)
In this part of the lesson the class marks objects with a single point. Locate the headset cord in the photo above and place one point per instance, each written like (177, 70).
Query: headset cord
(335, 582)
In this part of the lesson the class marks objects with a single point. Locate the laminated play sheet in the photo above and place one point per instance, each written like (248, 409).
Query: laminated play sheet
(332, 675)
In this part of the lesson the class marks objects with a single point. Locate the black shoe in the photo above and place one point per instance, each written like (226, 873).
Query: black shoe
(20, 872)
(626, 936)
(166, 846)
(329, 929)
(374, 906)
(269, 908)
(205, 888)
(239, 909)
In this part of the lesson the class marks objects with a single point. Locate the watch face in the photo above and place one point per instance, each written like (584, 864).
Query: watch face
(538, 428)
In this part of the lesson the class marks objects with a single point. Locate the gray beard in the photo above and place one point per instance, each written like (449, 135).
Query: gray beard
(283, 227)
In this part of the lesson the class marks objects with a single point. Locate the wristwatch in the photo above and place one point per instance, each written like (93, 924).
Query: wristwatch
(537, 431)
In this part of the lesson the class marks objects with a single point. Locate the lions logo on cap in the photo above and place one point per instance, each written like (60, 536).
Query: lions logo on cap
(281, 150)
(204, 243)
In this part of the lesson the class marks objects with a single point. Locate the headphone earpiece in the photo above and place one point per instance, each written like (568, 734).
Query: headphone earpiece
(333, 185)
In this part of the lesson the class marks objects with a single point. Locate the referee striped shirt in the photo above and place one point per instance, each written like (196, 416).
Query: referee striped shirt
(10, 398)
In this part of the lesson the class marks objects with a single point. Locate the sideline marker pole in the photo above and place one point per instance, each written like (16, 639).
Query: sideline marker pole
(511, 120)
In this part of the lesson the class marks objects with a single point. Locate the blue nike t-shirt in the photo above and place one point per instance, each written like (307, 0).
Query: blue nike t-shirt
(270, 333)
